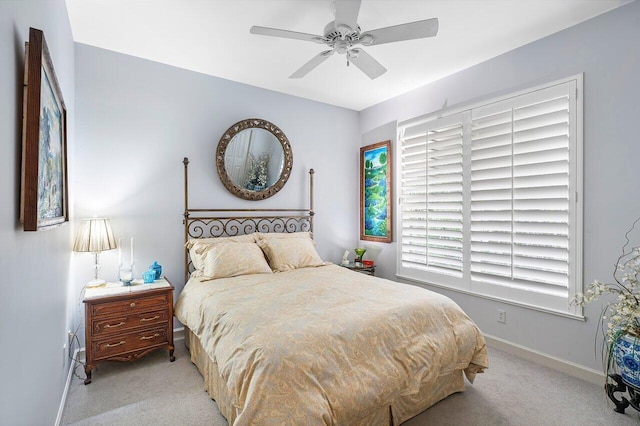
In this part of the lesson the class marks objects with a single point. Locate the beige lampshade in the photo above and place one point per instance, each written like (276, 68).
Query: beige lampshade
(94, 235)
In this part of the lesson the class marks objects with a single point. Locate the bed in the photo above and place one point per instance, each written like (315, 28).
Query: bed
(282, 337)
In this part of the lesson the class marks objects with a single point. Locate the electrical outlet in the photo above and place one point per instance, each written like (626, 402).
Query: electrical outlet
(67, 347)
(502, 316)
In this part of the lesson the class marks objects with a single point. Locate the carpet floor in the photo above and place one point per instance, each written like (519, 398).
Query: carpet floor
(513, 391)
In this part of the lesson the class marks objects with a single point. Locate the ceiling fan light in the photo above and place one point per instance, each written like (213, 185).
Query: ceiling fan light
(353, 53)
(342, 46)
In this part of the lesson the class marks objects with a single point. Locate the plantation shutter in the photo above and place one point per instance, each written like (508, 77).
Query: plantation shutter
(431, 208)
(488, 198)
(413, 193)
(520, 192)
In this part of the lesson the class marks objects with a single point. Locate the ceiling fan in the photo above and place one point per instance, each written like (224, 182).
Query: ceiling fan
(343, 33)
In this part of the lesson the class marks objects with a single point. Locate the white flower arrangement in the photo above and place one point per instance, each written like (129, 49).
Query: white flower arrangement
(622, 314)
(257, 174)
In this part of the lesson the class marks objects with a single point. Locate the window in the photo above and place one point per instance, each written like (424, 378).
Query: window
(489, 198)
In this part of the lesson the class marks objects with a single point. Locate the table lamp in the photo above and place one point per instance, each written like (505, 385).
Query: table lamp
(95, 235)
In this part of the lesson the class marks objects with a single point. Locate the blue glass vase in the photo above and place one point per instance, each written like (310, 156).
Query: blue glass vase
(157, 268)
(149, 276)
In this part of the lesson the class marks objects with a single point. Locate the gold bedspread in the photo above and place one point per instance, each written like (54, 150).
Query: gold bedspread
(325, 345)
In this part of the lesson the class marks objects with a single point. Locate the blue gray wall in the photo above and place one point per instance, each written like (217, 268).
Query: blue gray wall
(136, 121)
(34, 315)
(606, 50)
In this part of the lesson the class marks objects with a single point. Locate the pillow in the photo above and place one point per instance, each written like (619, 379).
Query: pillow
(198, 248)
(285, 254)
(233, 259)
(249, 238)
(281, 235)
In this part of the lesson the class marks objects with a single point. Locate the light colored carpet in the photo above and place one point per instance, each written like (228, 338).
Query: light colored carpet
(153, 391)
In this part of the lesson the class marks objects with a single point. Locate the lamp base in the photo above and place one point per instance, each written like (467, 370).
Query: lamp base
(96, 283)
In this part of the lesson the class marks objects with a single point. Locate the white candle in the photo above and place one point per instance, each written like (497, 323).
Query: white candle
(119, 252)
(132, 252)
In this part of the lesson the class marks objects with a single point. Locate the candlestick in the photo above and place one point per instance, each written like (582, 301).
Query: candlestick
(119, 252)
(132, 252)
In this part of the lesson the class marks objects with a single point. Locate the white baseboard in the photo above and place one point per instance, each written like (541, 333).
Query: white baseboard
(66, 387)
(178, 334)
(567, 367)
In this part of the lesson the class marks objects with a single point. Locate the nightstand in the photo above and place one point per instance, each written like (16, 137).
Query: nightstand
(126, 323)
(368, 270)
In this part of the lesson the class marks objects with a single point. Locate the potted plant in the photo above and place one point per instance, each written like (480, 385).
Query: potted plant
(620, 321)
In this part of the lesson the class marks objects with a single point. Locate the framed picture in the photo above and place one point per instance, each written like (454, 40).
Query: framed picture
(43, 196)
(375, 192)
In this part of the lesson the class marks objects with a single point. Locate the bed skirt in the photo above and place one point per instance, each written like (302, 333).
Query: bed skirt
(400, 411)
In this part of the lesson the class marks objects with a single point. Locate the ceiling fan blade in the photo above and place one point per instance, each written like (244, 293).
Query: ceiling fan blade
(347, 13)
(367, 64)
(274, 32)
(409, 31)
(314, 62)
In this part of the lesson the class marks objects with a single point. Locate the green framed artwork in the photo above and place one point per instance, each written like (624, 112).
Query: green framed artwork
(375, 192)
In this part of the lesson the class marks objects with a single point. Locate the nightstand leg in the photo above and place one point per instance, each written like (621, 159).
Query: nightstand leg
(87, 372)
(171, 357)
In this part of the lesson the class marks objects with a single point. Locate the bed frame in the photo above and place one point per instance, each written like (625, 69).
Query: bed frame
(212, 223)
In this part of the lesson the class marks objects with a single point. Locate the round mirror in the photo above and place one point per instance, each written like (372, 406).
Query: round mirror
(254, 159)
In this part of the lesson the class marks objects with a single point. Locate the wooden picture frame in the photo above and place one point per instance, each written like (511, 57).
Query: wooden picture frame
(376, 192)
(43, 195)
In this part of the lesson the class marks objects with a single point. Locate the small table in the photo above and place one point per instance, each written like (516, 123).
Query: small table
(123, 323)
(368, 270)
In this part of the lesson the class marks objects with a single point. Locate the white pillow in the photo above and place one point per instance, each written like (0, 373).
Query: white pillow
(285, 254)
(198, 247)
(233, 259)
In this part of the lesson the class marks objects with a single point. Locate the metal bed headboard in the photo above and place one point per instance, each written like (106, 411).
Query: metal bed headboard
(211, 223)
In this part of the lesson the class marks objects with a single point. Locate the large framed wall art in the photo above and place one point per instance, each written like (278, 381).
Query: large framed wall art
(43, 196)
(376, 192)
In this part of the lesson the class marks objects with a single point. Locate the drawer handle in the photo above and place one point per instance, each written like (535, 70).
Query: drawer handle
(114, 325)
(150, 319)
(132, 305)
(109, 345)
(148, 337)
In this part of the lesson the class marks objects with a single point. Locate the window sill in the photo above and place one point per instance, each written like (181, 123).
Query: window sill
(496, 299)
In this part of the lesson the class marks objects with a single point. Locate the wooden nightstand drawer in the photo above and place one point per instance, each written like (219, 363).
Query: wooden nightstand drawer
(128, 322)
(139, 304)
(120, 345)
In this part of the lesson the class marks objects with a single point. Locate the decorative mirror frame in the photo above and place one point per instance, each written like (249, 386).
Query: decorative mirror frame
(221, 150)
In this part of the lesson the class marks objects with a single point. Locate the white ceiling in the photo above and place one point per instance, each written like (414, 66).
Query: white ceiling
(212, 37)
